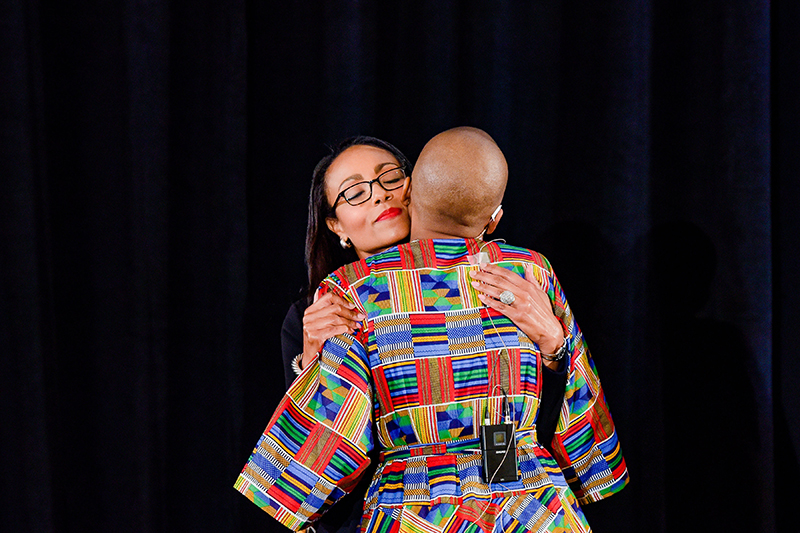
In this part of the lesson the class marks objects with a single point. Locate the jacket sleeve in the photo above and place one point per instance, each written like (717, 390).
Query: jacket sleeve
(292, 338)
(585, 444)
(314, 449)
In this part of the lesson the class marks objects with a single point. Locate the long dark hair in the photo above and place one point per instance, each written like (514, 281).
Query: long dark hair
(324, 253)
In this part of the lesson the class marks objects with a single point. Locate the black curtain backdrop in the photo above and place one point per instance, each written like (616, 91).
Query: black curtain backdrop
(154, 172)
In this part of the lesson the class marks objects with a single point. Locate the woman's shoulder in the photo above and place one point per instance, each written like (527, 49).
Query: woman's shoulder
(295, 312)
(292, 327)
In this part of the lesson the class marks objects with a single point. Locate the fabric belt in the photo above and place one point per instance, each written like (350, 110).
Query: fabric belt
(442, 448)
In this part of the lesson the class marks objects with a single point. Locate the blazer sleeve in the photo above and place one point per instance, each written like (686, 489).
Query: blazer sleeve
(315, 448)
(292, 338)
(585, 443)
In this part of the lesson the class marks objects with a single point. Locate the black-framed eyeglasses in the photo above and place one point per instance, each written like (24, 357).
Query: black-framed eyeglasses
(358, 193)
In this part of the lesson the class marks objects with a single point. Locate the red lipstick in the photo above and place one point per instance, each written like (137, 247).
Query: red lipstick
(389, 213)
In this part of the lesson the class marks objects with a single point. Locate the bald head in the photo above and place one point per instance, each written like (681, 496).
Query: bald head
(458, 181)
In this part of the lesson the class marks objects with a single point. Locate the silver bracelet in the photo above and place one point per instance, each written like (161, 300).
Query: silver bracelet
(558, 356)
(296, 364)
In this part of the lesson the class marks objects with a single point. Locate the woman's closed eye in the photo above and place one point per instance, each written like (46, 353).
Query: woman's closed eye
(356, 192)
(392, 177)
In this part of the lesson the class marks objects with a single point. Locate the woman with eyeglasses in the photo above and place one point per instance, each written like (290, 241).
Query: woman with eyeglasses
(356, 209)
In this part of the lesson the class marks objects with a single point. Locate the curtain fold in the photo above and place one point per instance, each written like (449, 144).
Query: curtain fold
(26, 310)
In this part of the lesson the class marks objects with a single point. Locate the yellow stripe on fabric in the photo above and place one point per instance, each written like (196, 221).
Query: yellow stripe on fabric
(302, 389)
(434, 384)
(355, 272)
(427, 375)
(534, 272)
(491, 408)
(316, 449)
(475, 346)
(572, 519)
(241, 484)
(424, 420)
(284, 517)
(530, 408)
(431, 338)
(469, 295)
(405, 291)
(411, 522)
(446, 383)
(497, 329)
(352, 416)
(417, 254)
(391, 321)
(583, 368)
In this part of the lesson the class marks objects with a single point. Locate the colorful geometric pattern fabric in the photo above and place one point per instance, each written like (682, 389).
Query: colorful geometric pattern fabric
(427, 368)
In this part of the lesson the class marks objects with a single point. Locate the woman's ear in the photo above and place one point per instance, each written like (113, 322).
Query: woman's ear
(334, 226)
(494, 222)
(405, 192)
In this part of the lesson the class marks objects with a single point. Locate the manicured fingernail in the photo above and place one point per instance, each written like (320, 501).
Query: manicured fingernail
(475, 284)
